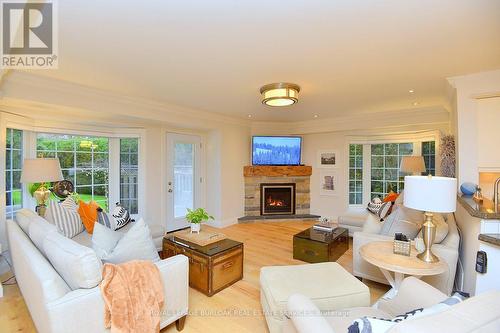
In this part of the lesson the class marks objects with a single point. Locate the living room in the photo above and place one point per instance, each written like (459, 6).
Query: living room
(169, 107)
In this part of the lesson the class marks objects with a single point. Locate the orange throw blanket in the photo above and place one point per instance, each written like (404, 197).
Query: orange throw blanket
(133, 297)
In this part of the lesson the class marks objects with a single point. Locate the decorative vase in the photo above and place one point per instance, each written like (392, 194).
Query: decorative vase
(195, 227)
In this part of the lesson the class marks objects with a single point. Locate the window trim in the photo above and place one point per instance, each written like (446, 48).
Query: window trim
(415, 138)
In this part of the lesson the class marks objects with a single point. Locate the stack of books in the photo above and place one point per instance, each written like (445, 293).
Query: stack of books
(325, 226)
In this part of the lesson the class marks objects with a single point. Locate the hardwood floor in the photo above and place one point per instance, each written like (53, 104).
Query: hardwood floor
(235, 309)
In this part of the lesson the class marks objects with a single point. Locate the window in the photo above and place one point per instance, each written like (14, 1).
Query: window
(385, 161)
(84, 161)
(13, 166)
(129, 166)
(429, 154)
(355, 174)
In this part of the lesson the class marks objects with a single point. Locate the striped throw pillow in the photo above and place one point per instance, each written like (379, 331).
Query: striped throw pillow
(381, 209)
(67, 220)
(121, 216)
(105, 219)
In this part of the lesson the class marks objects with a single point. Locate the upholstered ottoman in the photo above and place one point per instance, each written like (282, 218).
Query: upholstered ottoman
(327, 284)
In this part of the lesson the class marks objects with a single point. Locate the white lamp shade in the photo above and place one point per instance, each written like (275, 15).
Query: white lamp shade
(431, 194)
(41, 170)
(412, 164)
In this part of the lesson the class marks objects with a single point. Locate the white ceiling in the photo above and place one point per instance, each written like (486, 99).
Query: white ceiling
(348, 56)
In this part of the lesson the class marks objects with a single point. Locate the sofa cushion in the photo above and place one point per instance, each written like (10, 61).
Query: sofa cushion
(402, 219)
(340, 323)
(372, 224)
(104, 240)
(38, 230)
(24, 218)
(135, 244)
(78, 265)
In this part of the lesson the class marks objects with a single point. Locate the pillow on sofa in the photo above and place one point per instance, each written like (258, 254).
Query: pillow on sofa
(78, 265)
(379, 208)
(402, 219)
(372, 224)
(441, 228)
(115, 220)
(136, 244)
(38, 230)
(88, 214)
(24, 217)
(65, 217)
(377, 325)
(104, 240)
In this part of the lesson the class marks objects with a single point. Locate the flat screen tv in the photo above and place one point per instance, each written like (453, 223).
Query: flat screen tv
(276, 150)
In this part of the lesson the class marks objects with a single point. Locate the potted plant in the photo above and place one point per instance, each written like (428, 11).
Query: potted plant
(196, 217)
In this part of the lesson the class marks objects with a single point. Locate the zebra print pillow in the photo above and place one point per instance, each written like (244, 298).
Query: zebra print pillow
(119, 218)
(65, 217)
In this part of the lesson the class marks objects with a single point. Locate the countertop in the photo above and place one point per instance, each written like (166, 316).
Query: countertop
(490, 238)
(484, 210)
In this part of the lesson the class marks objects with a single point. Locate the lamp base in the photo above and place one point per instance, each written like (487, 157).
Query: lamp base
(428, 233)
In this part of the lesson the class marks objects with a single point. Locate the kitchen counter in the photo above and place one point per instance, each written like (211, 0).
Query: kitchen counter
(484, 210)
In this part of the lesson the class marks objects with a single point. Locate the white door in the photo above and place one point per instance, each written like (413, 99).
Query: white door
(183, 178)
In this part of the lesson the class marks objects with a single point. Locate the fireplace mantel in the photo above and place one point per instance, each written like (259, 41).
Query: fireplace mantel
(277, 171)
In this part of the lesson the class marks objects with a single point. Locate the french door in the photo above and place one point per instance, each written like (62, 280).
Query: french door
(183, 178)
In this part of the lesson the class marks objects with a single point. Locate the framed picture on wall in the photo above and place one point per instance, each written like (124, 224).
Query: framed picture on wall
(328, 183)
(327, 158)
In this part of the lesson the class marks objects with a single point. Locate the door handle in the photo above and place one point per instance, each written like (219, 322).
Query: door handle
(169, 190)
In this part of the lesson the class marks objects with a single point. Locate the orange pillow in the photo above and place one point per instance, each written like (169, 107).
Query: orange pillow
(88, 214)
(391, 197)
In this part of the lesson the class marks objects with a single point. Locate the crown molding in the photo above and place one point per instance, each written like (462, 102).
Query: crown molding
(431, 115)
(63, 95)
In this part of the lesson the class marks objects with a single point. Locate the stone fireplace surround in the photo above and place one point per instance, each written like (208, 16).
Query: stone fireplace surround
(257, 175)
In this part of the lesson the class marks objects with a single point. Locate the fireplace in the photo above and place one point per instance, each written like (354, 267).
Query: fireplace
(277, 199)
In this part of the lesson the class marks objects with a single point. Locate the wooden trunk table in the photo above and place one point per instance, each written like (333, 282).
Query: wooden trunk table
(315, 246)
(212, 267)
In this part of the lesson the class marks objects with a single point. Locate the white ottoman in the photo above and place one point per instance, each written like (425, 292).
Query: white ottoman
(327, 284)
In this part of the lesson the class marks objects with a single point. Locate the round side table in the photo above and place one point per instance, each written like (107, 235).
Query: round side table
(380, 254)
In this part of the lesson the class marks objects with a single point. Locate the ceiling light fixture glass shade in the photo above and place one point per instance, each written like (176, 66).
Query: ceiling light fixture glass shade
(280, 94)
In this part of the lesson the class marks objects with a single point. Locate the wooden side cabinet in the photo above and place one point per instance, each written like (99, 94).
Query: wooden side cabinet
(209, 273)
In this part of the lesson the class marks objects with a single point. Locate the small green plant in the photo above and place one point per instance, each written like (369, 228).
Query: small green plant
(198, 215)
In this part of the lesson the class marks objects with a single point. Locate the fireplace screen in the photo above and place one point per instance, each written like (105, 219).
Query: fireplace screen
(277, 199)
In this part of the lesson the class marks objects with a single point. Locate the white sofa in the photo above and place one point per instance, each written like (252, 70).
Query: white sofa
(477, 314)
(447, 250)
(353, 219)
(56, 308)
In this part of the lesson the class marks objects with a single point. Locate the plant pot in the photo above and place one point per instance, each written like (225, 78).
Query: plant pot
(195, 227)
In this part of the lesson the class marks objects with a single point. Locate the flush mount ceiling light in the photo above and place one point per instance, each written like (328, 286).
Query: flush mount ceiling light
(280, 94)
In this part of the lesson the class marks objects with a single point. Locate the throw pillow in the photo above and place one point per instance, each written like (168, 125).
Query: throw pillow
(121, 216)
(391, 197)
(441, 228)
(136, 244)
(372, 224)
(88, 214)
(104, 240)
(78, 265)
(380, 209)
(105, 219)
(402, 219)
(65, 217)
(376, 325)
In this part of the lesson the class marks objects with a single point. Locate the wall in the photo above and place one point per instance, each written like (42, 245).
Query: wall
(372, 128)
(470, 89)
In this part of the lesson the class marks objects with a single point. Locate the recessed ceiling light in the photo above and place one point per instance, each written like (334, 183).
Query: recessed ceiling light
(411, 91)
(316, 116)
(416, 103)
(280, 94)
(249, 116)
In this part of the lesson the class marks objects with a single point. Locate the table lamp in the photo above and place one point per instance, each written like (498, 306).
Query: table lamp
(414, 165)
(41, 170)
(431, 195)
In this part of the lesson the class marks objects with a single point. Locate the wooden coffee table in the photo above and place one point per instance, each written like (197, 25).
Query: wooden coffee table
(212, 267)
(315, 246)
(380, 254)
